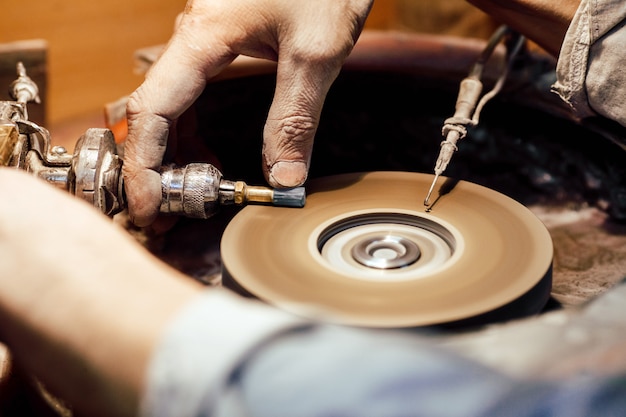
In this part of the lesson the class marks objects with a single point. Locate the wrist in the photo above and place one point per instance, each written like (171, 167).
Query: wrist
(543, 21)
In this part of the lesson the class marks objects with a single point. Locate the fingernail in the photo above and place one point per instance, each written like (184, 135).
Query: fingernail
(288, 174)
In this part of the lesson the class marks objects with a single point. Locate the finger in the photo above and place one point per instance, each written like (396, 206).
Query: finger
(293, 117)
(173, 83)
(310, 57)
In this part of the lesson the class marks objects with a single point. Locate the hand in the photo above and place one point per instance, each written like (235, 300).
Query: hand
(310, 41)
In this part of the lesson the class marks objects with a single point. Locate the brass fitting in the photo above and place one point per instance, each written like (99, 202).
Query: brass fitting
(252, 194)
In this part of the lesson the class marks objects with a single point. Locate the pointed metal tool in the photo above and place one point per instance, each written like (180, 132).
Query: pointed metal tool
(469, 103)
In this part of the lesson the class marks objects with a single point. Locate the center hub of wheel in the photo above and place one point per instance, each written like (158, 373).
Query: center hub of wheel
(383, 246)
(386, 252)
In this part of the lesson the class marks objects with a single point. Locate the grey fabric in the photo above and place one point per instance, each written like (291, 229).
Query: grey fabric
(327, 371)
(200, 349)
(590, 74)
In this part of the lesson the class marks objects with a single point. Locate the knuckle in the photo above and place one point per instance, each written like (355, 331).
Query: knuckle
(134, 104)
(296, 126)
(319, 53)
(292, 136)
(296, 130)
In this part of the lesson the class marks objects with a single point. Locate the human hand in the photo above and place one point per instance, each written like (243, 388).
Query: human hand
(309, 40)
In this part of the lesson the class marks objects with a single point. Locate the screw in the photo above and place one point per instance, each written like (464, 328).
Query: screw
(59, 150)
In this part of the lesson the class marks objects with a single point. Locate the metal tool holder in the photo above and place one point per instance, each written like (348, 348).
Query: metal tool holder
(93, 172)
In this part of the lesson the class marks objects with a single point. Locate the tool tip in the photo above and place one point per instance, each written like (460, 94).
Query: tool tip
(430, 190)
(289, 197)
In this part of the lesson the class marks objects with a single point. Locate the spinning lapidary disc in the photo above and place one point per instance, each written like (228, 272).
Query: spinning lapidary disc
(365, 251)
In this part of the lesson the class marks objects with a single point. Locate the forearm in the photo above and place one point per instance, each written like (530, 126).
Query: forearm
(81, 311)
(543, 21)
(93, 354)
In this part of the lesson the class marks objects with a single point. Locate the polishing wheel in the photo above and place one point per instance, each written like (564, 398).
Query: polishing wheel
(364, 251)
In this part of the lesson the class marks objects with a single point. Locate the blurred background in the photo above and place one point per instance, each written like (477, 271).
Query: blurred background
(90, 47)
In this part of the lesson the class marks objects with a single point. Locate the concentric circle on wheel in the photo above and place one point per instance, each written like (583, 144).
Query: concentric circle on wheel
(386, 245)
(365, 252)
